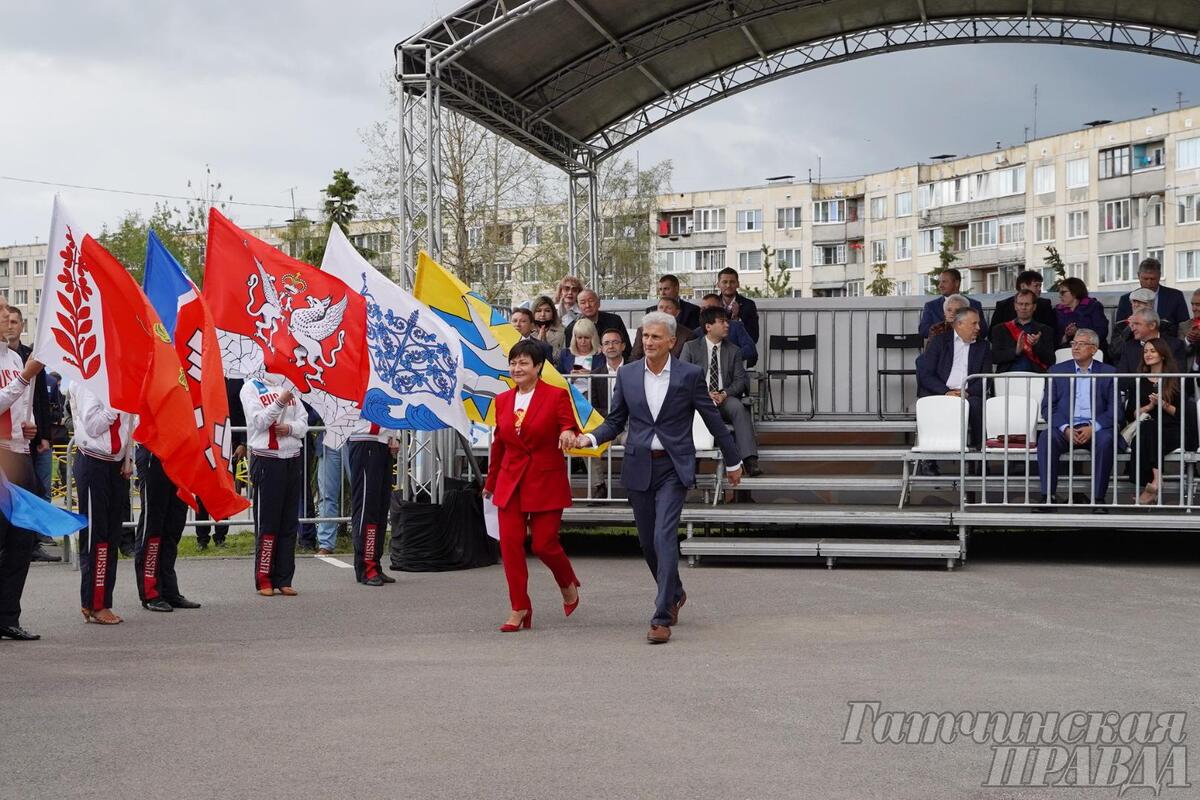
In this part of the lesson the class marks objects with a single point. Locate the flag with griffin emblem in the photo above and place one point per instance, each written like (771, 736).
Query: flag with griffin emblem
(416, 359)
(281, 315)
(486, 336)
(187, 320)
(97, 327)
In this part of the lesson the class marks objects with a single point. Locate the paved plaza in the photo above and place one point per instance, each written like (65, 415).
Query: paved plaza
(409, 691)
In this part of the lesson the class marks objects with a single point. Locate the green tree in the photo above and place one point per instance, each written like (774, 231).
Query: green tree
(946, 259)
(306, 239)
(1055, 262)
(880, 285)
(127, 240)
(340, 196)
(778, 284)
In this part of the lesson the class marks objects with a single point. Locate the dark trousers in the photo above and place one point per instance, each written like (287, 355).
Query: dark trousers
(103, 498)
(218, 531)
(1053, 444)
(278, 483)
(370, 501)
(16, 544)
(656, 512)
(308, 500)
(160, 527)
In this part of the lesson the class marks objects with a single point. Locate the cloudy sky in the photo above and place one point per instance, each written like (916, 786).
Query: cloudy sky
(271, 95)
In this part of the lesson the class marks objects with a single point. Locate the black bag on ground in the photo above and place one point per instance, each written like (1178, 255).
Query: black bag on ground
(438, 538)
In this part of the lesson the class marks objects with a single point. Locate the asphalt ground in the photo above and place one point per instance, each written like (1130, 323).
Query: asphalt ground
(408, 690)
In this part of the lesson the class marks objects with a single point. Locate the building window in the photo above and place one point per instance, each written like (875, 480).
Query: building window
(679, 224)
(1118, 267)
(501, 272)
(1010, 181)
(39, 267)
(709, 220)
(824, 255)
(1115, 215)
(1156, 253)
(4, 294)
(788, 258)
(903, 248)
(1012, 230)
(903, 288)
(474, 236)
(1149, 155)
(20, 268)
(1153, 210)
(1077, 269)
(1114, 162)
(1044, 228)
(3, 269)
(928, 241)
(750, 260)
(854, 288)
(964, 240)
(1188, 209)
(983, 233)
(1077, 224)
(532, 234)
(710, 260)
(878, 251)
(37, 297)
(825, 211)
(904, 204)
(1187, 153)
(1187, 263)
(879, 207)
(787, 219)
(1077, 173)
(1043, 179)
(20, 297)
(674, 261)
(750, 220)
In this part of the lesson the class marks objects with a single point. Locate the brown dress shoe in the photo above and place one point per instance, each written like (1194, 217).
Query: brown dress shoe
(659, 634)
(267, 592)
(324, 552)
(288, 591)
(675, 608)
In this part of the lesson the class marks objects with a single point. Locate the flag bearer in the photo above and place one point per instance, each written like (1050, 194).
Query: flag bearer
(160, 527)
(371, 452)
(102, 468)
(275, 426)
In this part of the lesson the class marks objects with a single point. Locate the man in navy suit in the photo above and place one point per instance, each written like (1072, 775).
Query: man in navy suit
(658, 397)
(949, 282)
(1083, 413)
(1169, 303)
(948, 360)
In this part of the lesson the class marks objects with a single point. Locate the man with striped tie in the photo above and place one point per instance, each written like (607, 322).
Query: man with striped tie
(370, 452)
(102, 468)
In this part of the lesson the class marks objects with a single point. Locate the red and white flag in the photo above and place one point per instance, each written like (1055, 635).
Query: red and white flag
(281, 315)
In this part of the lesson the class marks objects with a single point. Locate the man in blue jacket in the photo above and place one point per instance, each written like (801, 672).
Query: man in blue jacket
(1169, 304)
(950, 357)
(949, 282)
(1080, 411)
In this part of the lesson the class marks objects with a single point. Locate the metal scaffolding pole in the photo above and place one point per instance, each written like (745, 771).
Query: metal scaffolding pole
(583, 224)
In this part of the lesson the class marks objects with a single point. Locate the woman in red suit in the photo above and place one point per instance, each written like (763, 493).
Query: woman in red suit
(527, 479)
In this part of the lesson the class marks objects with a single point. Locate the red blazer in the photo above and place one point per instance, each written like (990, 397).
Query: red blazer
(531, 459)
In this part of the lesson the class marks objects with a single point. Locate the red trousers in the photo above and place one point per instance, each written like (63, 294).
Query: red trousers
(544, 527)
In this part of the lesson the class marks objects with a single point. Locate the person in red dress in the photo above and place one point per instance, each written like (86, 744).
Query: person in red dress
(527, 479)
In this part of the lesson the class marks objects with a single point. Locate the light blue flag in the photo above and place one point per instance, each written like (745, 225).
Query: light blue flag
(26, 510)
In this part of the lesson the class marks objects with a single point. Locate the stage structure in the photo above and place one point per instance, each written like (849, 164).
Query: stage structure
(575, 81)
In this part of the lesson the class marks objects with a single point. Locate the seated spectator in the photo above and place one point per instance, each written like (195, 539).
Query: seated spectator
(1076, 310)
(1122, 331)
(567, 298)
(1084, 412)
(737, 331)
(589, 309)
(735, 304)
(683, 334)
(1191, 336)
(950, 307)
(949, 282)
(546, 324)
(522, 320)
(1154, 397)
(689, 313)
(1168, 303)
(614, 357)
(725, 376)
(1043, 311)
(582, 356)
(1023, 344)
(1143, 328)
(944, 366)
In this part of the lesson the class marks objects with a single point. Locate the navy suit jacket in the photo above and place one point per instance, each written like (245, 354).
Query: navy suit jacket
(934, 365)
(1172, 305)
(1103, 410)
(686, 394)
(933, 313)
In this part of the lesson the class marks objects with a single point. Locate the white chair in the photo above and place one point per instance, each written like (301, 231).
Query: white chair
(939, 425)
(1015, 415)
(1021, 384)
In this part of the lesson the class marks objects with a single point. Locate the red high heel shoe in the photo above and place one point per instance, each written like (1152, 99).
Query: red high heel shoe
(569, 608)
(526, 622)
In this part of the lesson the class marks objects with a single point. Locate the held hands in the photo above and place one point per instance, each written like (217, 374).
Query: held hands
(127, 468)
(29, 430)
(717, 397)
(581, 442)
(734, 477)
(566, 440)
(282, 428)
(1082, 434)
(954, 393)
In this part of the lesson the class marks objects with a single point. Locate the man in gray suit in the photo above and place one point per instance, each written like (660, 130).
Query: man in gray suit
(658, 397)
(725, 376)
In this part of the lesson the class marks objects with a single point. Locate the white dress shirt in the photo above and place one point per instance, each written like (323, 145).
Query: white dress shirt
(708, 354)
(656, 392)
(958, 372)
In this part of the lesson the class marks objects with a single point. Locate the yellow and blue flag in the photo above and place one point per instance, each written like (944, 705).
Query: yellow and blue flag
(486, 337)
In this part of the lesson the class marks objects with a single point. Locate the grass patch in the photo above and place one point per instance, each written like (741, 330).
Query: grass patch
(242, 544)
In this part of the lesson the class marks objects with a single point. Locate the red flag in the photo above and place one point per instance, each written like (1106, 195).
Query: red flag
(143, 370)
(311, 327)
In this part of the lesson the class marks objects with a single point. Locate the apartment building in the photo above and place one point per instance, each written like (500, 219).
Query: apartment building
(22, 270)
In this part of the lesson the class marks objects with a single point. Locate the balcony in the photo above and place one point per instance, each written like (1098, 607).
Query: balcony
(691, 241)
(960, 213)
